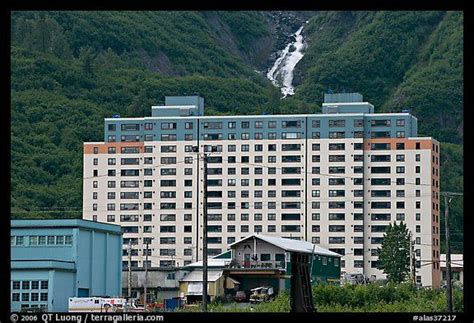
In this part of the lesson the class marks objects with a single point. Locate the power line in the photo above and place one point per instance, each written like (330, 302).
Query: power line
(328, 199)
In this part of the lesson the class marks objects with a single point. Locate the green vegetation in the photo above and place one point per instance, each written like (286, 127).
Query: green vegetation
(394, 255)
(360, 298)
(71, 69)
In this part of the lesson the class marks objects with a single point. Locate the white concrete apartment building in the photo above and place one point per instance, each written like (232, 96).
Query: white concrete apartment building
(336, 179)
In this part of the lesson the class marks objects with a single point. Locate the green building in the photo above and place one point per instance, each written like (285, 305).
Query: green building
(261, 260)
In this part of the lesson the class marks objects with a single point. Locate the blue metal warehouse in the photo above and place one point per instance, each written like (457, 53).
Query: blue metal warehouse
(52, 260)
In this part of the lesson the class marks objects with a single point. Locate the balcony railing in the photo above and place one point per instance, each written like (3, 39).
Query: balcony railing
(260, 264)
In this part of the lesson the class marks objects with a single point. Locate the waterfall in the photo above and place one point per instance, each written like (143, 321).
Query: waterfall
(281, 73)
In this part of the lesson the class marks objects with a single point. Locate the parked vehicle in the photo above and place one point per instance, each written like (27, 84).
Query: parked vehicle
(240, 296)
(355, 279)
(261, 294)
(132, 305)
(96, 304)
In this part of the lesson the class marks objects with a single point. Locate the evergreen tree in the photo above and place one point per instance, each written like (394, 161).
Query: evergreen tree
(394, 256)
(87, 60)
(274, 99)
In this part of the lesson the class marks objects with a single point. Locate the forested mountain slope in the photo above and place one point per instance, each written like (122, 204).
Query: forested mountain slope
(72, 69)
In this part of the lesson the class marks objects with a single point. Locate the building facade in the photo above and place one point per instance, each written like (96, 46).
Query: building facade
(52, 260)
(457, 268)
(161, 282)
(336, 179)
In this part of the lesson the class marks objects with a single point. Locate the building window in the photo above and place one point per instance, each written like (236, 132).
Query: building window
(337, 123)
(358, 123)
(168, 125)
(291, 124)
(400, 169)
(15, 297)
(400, 122)
(400, 158)
(25, 284)
(272, 124)
(271, 216)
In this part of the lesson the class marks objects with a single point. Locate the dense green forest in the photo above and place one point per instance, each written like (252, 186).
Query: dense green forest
(69, 70)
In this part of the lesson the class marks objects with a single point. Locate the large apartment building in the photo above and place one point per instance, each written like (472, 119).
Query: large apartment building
(336, 179)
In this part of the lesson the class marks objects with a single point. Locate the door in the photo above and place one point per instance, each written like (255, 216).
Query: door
(247, 260)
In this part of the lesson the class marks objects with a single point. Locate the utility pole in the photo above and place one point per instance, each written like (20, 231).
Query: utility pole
(146, 278)
(447, 201)
(129, 269)
(204, 239)
(204, 224)
(412, 261)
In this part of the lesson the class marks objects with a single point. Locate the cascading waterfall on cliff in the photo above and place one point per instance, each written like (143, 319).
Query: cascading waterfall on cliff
(281, 73)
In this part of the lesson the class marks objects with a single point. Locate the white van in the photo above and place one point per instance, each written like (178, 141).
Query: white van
(96, 304)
